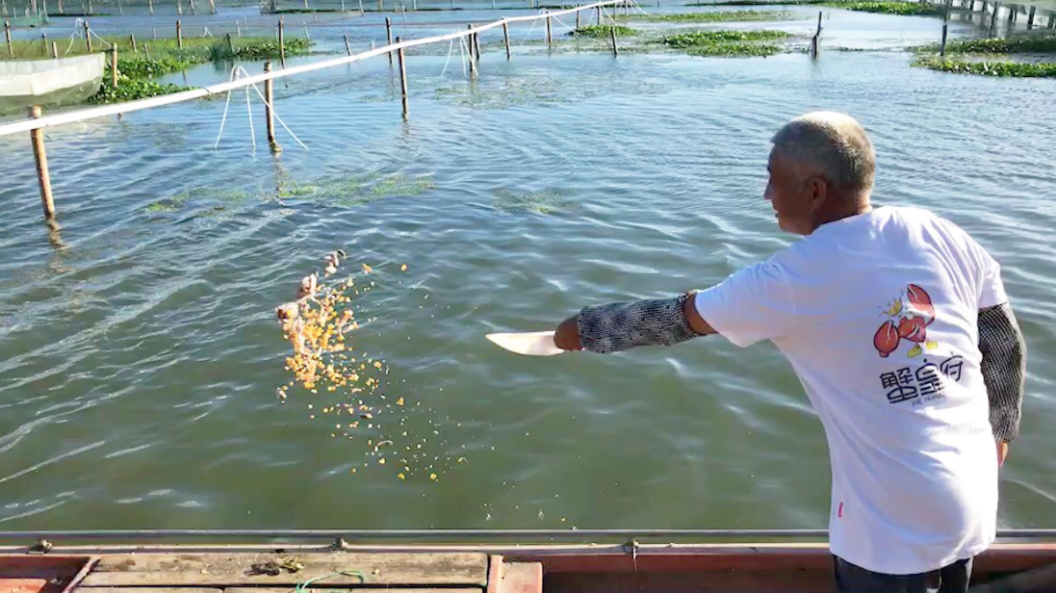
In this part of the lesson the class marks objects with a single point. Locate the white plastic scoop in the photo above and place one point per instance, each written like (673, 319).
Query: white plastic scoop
(528, 343)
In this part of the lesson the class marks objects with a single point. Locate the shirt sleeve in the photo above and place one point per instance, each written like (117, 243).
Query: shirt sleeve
(992, 289)
(753, 304)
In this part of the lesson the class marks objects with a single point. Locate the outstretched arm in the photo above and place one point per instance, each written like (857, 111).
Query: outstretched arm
(620, 326)
(1004, 371)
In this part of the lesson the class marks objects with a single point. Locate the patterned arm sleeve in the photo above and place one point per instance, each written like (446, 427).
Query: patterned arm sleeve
(1004, 369)
(621, 326)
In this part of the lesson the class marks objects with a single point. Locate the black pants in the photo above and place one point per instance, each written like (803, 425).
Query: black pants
(949, 579)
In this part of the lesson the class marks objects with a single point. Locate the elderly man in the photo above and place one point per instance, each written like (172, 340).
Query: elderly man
(898, 326)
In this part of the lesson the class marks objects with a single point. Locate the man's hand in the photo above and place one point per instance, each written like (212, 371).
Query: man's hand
(1002, 453)
(567, 335)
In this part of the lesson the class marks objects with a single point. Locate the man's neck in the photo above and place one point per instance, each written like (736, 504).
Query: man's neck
(854, 207)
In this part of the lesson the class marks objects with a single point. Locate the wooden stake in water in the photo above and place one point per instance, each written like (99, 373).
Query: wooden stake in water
(7, 35)
(132, 40)
(238, 29)
(61, 11)
(1030, 17)
(230, 44)
(54, 50)
(348, 48)
(87, 37)
(113, 65)
(179, 34)
(599, 16)
(1052, 21)
(993, 20)
(179, 7)
(403, 79)
(212, 6)
(44, 37)
(43, 177)
(612, 35)
(154, 33)
(306, 35)
(282, 42)
(549, 34)
(469, 45)
(506, 37)
(578, 13)
(361, 11)
(388, 36)
(269, 101)
(942, 46)
(151, 2)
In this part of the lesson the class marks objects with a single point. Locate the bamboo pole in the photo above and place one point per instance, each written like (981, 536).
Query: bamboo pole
(61, 11)
(7, 35)
(132, 40)
(212, 6)
(113, 65)
(179, 7)
(549, 33)
(403, 79)
(348, 48)
(269, 101)
(41, 156)
(1011, 15)
(578, 14)
(388, 35)
(230, 44)
(506, 37)
(154, 33)
(1052, 20)
(306, 35)
(469, 44)
(1030, 17)
(238, 29)
(381, 7)
(179, 34)
(942, 46)
(54, 50)
(599, 16)
(87, 37)
(361, 7)
(44, 38)
(612, 35)
(993, 20)
(151, 2)
(282, 42)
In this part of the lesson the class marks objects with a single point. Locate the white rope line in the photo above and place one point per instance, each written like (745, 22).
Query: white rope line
(227, 103)
(108, 44)
(450, 49)
(252, 132)
(462, 49)
(564, 24)
(273, 111)
(529, 33)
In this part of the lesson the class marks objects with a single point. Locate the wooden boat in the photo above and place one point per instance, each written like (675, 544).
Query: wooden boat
(436, 562)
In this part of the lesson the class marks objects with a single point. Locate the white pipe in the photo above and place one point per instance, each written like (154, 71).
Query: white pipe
(95, 112)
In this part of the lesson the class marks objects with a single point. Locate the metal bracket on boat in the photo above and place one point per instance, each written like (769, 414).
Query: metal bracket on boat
(42, 546)
(632, 548)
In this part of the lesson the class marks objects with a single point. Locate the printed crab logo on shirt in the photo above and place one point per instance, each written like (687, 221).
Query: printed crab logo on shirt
(910, 315)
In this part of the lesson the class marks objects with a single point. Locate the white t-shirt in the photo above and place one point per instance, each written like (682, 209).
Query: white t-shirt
(877, 314)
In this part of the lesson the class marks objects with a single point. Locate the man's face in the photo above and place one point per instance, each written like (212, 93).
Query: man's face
(793, 195)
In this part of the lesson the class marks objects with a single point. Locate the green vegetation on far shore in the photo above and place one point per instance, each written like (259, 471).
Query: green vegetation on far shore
(897, 7)
(710, 17)
(1044, 43)
(601, 31)
(727, 43)
(1000, 69)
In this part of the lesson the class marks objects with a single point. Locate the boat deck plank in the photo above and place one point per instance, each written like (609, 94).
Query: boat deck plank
(220, 570)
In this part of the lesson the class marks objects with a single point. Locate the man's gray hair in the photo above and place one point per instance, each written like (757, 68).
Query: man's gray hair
(833, 144)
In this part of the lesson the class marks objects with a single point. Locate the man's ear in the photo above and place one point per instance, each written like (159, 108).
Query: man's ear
(819, 190)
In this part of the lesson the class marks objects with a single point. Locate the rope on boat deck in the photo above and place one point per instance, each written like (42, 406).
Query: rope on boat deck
(303, 587)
